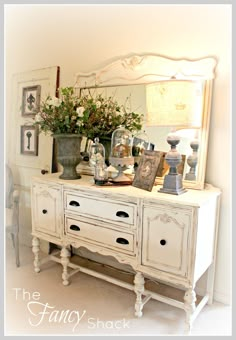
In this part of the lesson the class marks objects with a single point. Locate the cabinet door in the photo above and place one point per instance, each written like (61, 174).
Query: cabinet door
(46, 209)
(165, 238)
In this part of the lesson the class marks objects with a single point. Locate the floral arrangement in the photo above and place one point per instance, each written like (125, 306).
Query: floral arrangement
(60, 115)
(87, 115)
(104, 115)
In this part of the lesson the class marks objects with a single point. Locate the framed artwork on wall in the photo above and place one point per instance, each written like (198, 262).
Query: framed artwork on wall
(29, 140)
(30, 100)
(147, 169)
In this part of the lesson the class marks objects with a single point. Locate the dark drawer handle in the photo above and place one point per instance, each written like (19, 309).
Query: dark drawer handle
(162, 242)
(122, 240)
(44, 211)
(75, 227)
(122, 214)
(74, 203)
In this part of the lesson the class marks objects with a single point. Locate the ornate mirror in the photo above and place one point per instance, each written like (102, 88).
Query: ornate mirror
(141, 81)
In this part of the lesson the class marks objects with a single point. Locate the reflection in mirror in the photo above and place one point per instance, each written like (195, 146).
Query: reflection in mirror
(135, 80)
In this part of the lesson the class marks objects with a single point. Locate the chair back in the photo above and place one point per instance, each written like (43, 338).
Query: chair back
(9, 187)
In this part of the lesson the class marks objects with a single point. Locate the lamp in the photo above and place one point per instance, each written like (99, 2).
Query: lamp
(177, 104)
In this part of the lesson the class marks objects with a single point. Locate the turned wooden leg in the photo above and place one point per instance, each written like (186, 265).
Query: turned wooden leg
(189, 307)
(35, 250)
(65, 254)
(139, 289)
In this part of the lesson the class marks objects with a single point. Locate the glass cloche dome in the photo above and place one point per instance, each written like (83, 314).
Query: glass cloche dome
(121, 153)
(96, 153)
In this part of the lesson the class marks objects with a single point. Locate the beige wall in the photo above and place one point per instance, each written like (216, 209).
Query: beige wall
(83, 38)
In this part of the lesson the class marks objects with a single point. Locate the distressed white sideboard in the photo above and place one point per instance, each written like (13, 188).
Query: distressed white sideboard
(169, 238)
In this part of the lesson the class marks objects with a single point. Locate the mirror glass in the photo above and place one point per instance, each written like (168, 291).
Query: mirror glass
(128, 81)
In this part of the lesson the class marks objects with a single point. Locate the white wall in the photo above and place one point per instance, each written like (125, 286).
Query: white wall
(84, 37)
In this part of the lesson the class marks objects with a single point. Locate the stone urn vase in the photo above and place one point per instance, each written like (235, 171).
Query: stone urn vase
(68, 154)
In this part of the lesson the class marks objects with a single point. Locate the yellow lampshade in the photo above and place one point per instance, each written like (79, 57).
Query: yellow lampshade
(175, 103)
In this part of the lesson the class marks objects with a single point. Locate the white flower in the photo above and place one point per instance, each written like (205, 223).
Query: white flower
(80, 111)
(54, 101)
(73, 118)
(98, 104)
(79, 123)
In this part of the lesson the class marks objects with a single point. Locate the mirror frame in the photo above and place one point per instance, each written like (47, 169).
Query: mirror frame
(148, 68)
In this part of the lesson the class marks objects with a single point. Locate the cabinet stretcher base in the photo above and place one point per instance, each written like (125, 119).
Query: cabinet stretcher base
(143, 295)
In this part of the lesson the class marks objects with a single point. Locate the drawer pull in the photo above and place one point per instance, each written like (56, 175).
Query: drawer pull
(122, 214)
(75, 227)
(162, 242)
(122, 240)
(74, 203)
(44, 211)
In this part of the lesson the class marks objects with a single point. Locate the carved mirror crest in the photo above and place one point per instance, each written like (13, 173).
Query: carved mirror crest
(130, 78)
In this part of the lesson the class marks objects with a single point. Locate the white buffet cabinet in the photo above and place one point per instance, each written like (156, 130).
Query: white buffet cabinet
(169, 238)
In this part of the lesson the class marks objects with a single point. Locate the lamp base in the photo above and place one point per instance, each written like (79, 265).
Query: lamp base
(173, 185)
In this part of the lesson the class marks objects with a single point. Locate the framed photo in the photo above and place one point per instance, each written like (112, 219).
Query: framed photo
(30, 100)
(29, 140)
(147, 169)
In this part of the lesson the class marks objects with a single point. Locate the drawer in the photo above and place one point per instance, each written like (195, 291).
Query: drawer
(108, 238)
(165, 239)
(124, 213)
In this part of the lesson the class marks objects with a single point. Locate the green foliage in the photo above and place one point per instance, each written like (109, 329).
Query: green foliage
(89, 116)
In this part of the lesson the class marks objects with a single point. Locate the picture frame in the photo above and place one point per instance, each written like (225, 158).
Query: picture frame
(146, 171)
(29, 140)
(30, 100)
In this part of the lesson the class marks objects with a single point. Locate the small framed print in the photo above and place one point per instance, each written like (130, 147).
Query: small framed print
(146, 171)
(31, 100)
(29, 140)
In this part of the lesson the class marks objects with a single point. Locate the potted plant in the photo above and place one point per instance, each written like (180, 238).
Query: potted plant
(70, 117)
(60, 117)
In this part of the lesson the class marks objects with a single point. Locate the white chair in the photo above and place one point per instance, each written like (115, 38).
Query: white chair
(12, 211)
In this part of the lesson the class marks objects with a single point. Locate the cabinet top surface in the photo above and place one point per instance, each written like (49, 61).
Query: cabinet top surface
(86, 184)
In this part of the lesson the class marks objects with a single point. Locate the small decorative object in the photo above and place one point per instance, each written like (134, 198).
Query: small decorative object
(97, 153)
(173, 181)
(29, 140)
(30, 100)
(121, 154)
(192, 161)
(146, 172)
(100, 173)
(140, 143)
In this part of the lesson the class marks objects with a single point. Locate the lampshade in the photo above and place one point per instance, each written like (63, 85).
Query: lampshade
(176, 103)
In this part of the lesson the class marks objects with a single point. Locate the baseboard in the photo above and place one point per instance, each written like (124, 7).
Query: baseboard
(223, 298)
(218, 296)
